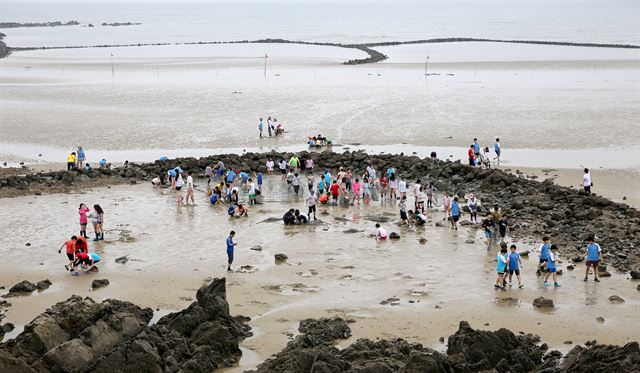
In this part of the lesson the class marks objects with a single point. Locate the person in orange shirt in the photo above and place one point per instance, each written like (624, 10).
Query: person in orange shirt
(81, 245)
(71, 250)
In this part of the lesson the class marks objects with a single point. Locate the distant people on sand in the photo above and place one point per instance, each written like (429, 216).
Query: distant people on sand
(71, 161)
(80, 157)
(261, 127)
(586, 181)
(497, 148)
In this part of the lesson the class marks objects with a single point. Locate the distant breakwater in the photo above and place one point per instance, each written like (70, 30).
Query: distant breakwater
(374, 55)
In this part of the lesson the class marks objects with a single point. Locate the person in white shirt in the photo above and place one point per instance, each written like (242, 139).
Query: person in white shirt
(178, 185)
(282, 165)
(189, 190)
(372, 172)
(416, 193)
(311, 204)
(381, 233)
(270, 165)
(586, 181)
(402, 188)
(295, 182)
(252, 192)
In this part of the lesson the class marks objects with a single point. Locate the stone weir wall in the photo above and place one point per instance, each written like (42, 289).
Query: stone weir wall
(534, 208)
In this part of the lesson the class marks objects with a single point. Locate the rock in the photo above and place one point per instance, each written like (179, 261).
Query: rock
(422, 241)
(8, 327)
(602, 358)
(44, 284)
(600, 319)
(97, 284)
(28, 244)
(568, 342)
(525, 253)
(469, 241)
(394, 236)
(22, 288)
(378, 218)
(280, 258)
(616, 299)
(570, 267)
(605, 274)
(392, 301)
(256, 248)
(122, 259)
(602, 268)
(441, 339)
(440, 224)
(542, 302)
(635, 275)
(351, 230)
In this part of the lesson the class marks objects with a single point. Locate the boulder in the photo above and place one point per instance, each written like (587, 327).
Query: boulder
(44, 284)
(394, 236)
(97, 284)
(122, 259)
(635, 275)
(602, 358)
(280, 258)
(22, 287)
(616, 299)
(542, 302)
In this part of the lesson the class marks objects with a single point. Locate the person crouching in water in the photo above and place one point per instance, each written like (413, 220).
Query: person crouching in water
(300, 218)
(87, 261)
(289, 217)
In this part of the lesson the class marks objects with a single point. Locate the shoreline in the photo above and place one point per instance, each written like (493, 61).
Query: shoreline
(374, 55)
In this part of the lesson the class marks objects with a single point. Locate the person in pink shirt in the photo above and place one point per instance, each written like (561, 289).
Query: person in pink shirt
(82, 211)
(357, 191)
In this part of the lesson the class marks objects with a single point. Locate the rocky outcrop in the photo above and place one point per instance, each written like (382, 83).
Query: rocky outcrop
(602, 359)
(4, 50)
(536, 208)
(37, 24)
(80, 335)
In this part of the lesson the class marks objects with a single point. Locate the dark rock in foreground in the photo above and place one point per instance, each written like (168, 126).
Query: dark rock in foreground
(22, 288)
(80, 335)
(97, 284)
(542, 302)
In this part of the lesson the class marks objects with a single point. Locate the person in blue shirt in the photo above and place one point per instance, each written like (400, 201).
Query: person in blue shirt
(476, 150)
(514, 265)
(391, 171)
(87, 167)
(231, 210)
(81, 156)
(544, 254)
(103, 163)
(260, 127)
(259, 180)
(593, 256)
(230, 247)
(501, 267)
(496, 148)
(231, 176)
(213, 199)
(245, 177)
(551, 267)
(455, 213)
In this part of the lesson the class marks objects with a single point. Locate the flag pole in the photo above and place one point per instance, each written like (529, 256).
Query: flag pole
(113, 71)
(426, 64)
(265, 64)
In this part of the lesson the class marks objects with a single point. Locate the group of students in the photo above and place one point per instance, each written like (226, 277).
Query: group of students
(79, 256)
(273, 127)
(77, 158)
(481, 156)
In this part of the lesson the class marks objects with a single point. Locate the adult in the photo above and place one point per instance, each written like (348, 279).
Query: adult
(294, 163)
(71, 161)
(309, 166)
(471, 155)
(178, 186)
(230, 247)
(586, 181)
(81, 157)
(220, 169)
(472, 204)
(282, 166)
(311, 204)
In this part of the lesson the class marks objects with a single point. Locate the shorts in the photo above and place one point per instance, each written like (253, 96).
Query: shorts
(283, 171)
(552, 269)
(252, 196)
(84, 225)
(517, 271)
(545, 260)
(487, 234)
(312, 209)
(70, 256)
(455, 218)
(587, 189)
(498, 153)
(472, 162)
(500, 273)
(230, 257)
(403, 215)
(592, 263)
(178, 188)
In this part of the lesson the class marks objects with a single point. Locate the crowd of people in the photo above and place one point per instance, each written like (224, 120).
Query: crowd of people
(481, 156)
(274, 128)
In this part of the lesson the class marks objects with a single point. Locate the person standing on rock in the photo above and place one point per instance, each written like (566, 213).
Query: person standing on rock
(230, 248)
(545, 248)
(593, 256)
(260, 127)
(71, 161)
(476, 150)
(81, 157)
(586, 181)
(471, 154)
(551, 267)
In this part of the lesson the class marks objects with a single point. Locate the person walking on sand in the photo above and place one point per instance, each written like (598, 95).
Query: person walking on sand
(179, 183)
(472, 204)
(404, 218)
(190, 193)
(496, 148)
(586, 181)
(455, 213)
(260, 127)
(501, 268)
(311, 204)
(231, 245)
(82, 211)
(446, 205)
(503, 227)
(515, 264)
(487, 226)
(97, 218)
(295, 182)
(593, 256)
(269, 125)
(71, 161)
(551, 267)
(81, 157)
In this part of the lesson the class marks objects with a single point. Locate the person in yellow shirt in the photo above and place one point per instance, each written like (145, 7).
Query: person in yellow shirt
(71, 161)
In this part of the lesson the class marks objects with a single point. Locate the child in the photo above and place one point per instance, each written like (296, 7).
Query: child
(551, 267)
(472, 203)
(593, 256)
(242, 211)
(356, 187)
(366, 190)
(252, 192)
(71, 251)
(178, 186)
(231, 210)
(404, 220)
(501, 268)
(455, 213)
(82, 211)
(259, 179)
(335, 191)
(544, 254)
(446, 206)
(430, 194)
(384, 183)
(295, 182)
(381, 233)
(311, 204)
(393, 185)
(190, 194)
(515, 263)
(230, 246)
(503, 227)
(487, 225)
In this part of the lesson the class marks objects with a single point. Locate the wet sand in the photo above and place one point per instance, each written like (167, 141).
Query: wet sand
(174, 250)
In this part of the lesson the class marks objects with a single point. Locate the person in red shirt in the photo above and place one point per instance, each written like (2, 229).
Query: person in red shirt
(81, 245)
(384, 183)
(71, 250)
(334, 189)
(472, 156)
